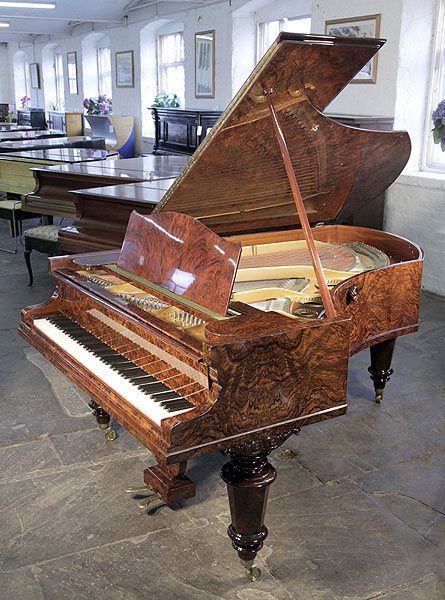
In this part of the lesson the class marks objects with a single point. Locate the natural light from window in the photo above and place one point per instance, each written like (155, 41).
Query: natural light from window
(434, 156)
(171, 65)
(58, 71)
(268, 31)
(104, 71)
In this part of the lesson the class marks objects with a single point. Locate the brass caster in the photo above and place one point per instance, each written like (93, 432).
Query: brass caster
(252, 573)
(378, 395)
(110, 434)
(147, 501)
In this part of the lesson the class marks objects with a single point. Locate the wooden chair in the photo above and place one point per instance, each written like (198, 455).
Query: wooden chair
(43, 239)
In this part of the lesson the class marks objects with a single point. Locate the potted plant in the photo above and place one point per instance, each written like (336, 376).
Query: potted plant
(166, 100)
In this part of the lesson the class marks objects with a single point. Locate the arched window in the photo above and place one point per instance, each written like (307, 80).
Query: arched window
(159, 60)
(171, 77)
(96, 65)
(21, 77)
(52, 69)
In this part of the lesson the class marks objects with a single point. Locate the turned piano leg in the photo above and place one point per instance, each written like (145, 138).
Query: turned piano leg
(248, 476)
(103, 420)
(380, 369)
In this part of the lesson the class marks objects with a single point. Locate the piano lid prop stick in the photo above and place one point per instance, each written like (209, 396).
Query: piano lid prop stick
(316, 263)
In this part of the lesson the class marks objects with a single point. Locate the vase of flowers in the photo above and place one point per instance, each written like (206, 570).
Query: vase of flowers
(439, 125)
(102, 105)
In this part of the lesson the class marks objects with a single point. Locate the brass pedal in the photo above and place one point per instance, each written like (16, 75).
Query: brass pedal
(135, 490)
(147, 501)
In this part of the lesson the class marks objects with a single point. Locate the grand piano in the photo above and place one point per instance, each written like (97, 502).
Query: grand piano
(20, 135)
(55, 188)
(79, 141)
(197, 343)
(16, 176)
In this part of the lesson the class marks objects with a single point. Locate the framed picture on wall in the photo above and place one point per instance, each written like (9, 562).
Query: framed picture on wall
(71, 58)
(368, 27)
(125, 69)
(205, 64)
(35, 75)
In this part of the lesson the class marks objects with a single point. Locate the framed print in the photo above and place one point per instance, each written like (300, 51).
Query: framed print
(205, 64)
(125, 69)
(71, 58)
(368, 27)
(35, 75)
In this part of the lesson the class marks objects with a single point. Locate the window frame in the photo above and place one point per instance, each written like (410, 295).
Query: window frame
(59, 81)
(163, 66)
(436, 94)
(104, 75)
(261, 50)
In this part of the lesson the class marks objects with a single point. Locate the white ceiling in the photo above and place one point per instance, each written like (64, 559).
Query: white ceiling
(26, 23)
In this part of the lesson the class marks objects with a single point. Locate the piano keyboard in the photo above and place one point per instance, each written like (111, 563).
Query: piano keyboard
(143, 391)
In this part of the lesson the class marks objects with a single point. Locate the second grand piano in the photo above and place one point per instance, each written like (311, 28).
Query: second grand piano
(197, 343)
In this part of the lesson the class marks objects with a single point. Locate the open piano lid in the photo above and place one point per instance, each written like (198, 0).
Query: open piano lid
(236, 180)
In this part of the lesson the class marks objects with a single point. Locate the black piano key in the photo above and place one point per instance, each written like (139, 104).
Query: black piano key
(106, 352)
(136, 373)
(60, 319)
(141, 380)
(123, 367)
(153, 388)
(174, 405)
(167, 395)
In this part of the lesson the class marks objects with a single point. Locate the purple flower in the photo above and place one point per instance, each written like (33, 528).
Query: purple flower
(438, 131)
(439, 113)
(25, 101)
(98, 106)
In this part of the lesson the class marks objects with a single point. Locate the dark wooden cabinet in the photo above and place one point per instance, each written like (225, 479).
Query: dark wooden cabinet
(35, 117)
(180, 131)
(4, 109)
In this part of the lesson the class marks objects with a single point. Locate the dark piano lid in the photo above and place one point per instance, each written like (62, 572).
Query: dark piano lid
(236, 180)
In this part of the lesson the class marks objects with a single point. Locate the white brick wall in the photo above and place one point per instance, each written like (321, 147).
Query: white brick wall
(415, 210)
